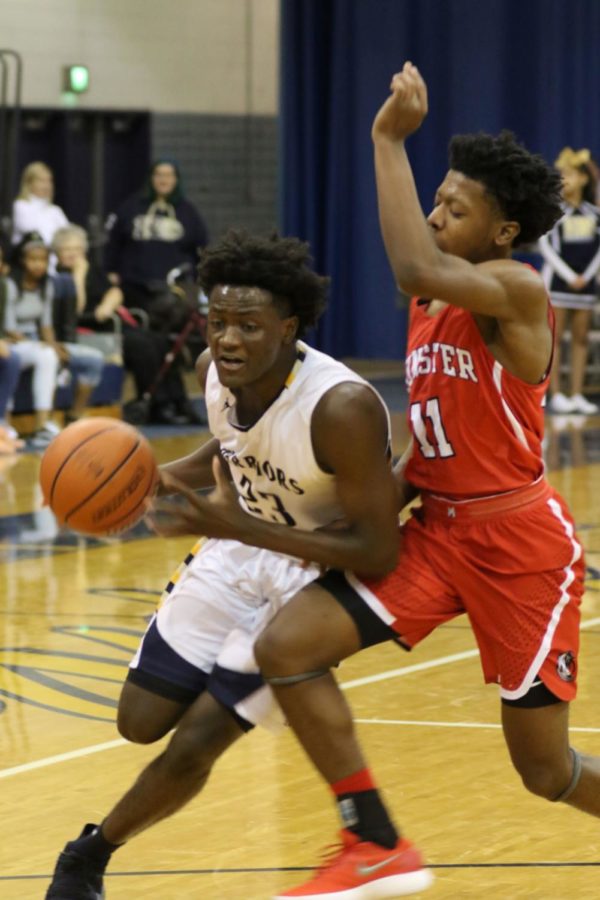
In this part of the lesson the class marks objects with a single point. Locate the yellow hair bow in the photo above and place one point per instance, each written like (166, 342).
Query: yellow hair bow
(572, 159)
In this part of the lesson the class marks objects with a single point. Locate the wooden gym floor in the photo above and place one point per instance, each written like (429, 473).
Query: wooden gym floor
(72, 612)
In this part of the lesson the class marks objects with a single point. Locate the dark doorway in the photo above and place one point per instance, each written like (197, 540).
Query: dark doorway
(98, 158)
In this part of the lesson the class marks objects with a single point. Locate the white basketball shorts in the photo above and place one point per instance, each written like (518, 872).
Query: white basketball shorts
(211, 612)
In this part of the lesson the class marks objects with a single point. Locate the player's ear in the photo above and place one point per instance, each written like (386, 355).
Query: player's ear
(507, 233)
(290, 329)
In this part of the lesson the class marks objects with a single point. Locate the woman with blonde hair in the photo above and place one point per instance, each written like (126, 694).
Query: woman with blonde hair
(34, 209)
(571, 254)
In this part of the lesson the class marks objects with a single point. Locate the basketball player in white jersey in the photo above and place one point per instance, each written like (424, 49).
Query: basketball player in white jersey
(306, 442)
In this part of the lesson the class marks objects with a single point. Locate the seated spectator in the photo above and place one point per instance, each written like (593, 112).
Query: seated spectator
(10, 368)
(29, 324)
(33, 210)
(97, 299)
(4, 254)
(143, 350)
(152, 233)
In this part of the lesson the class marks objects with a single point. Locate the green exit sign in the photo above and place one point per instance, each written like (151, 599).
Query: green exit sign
(76, 79)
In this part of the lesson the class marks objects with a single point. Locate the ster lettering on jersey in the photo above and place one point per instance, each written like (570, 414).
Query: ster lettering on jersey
(456, 362)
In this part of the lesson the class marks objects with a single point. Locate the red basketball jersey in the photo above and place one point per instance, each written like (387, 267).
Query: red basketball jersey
(477, 429)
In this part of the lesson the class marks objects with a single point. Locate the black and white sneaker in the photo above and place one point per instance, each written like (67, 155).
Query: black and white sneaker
(42, 437)
(76, 877)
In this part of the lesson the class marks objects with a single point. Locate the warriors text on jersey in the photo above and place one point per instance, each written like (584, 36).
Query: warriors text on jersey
(477, 429)
(272, 462)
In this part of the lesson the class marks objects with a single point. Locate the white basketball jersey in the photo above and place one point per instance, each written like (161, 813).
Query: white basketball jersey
(272, 462)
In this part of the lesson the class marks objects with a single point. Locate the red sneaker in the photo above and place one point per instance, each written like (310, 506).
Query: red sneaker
(360, 870)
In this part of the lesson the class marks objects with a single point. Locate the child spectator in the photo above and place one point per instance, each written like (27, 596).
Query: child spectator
(29, 324)
(9, 373)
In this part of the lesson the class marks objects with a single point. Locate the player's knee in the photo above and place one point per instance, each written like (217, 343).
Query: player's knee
(273, 654)
(545, 778)
(288, 647)
(198, 743)
(190, 756)
(138, 730)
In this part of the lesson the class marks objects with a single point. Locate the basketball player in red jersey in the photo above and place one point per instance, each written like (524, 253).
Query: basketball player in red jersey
(491, 537)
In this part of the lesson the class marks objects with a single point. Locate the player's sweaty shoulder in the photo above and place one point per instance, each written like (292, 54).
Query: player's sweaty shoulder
(523, 288)
(350, 413)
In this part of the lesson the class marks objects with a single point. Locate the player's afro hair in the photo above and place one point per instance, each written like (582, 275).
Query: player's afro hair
(281, 265)
(526, 188)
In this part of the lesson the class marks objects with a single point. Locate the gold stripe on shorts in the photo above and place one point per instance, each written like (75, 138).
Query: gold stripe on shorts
(180, 570)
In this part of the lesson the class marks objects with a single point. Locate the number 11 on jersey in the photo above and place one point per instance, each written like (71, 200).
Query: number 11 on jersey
(442, 447)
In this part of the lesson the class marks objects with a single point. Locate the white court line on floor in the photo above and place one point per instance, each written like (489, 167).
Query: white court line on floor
(428, 724)
(109, 745)
(409, 670)
(61, 757)
(357, 682)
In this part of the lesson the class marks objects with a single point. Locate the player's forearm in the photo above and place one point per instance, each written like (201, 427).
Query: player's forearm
(374, 554)
(195, 470)
(592, 268)
(111, 301)
(80, 292)
(410, 247)
(411, 250)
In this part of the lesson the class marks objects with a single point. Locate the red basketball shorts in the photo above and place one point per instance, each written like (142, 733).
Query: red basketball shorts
(513, 564)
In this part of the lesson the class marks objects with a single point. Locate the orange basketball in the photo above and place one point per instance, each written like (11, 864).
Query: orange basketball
(96, 474)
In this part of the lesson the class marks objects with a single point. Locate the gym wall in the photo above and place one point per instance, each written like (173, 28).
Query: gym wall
(205, 70)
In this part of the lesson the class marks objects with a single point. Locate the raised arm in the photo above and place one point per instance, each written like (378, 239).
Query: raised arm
(500, 288)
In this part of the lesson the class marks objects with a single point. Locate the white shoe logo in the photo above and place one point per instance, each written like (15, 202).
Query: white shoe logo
(365, 871)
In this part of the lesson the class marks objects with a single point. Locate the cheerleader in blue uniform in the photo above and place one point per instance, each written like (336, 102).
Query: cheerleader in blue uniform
(571, 254)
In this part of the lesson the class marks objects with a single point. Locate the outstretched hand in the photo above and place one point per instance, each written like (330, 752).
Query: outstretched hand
(216, 515)
(404, 111)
